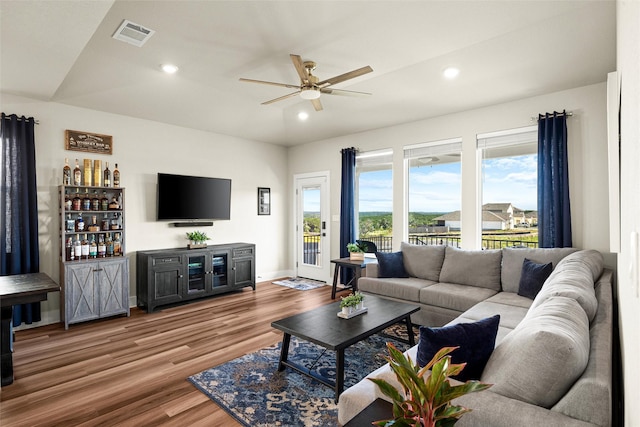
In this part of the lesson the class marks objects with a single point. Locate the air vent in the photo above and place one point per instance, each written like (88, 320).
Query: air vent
(132, 33)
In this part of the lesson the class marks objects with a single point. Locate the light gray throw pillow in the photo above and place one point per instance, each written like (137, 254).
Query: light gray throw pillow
(422, 261)
(473, 268)
(543, 356)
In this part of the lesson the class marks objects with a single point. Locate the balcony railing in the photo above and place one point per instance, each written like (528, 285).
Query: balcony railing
(385, 243)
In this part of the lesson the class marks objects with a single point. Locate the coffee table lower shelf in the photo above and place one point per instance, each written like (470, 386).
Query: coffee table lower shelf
(378, 410)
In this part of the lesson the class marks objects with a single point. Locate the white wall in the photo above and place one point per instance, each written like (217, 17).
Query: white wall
(587, 160)
(142, 149)
(629, 302)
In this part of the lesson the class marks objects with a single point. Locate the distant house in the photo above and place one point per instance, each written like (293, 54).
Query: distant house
(495, 216)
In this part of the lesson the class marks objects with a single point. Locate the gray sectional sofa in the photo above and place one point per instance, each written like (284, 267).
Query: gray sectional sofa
(551, 364)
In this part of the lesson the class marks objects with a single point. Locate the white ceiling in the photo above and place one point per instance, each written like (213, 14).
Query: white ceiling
(62, 51)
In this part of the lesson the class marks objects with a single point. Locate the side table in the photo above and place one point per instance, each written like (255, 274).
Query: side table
(378, 410)
(356, 266)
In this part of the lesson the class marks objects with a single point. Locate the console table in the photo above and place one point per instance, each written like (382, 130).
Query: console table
(14, 290)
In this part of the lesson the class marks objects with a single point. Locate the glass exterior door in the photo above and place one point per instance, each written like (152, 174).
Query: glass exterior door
(312, 228)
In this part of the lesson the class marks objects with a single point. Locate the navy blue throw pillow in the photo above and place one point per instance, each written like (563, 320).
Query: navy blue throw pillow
(390, 264)
(476, 341)
(533, 277)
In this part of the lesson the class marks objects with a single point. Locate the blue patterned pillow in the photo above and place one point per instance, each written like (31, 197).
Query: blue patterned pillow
(533, 277)
(390, 264)
(476, 341)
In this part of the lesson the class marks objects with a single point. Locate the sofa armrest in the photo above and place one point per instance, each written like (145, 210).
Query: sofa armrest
(371, 270)
(495, 410)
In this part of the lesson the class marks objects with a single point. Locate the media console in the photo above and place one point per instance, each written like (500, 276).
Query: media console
(170, 276)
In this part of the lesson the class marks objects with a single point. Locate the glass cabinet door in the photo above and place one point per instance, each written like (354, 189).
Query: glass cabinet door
(196, 274)
(219, 270)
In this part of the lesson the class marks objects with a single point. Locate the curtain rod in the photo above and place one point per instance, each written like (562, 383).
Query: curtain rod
(20, 118)
(564, 113)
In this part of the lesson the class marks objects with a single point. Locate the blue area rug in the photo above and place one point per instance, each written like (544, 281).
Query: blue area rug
(252, 390)
(299, 283)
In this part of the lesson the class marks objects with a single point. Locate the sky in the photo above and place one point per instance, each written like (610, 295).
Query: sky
(436, 188)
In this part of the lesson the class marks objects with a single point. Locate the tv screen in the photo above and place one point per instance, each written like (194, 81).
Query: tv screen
(193, 197)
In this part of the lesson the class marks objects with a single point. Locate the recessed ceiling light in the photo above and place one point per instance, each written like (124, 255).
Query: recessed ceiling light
(303, 115)
(451, 72)
(169, 68)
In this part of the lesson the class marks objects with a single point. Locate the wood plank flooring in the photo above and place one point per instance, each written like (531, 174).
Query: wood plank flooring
(132, 371)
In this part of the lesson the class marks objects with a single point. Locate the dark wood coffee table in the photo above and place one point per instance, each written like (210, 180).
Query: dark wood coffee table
(322, 326)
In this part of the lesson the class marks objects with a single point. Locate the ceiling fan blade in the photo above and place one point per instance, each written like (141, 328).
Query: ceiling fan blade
(346, 76)
(343, 92)
(297, 62)
(317, 104)
(270, 83)
(281, 98)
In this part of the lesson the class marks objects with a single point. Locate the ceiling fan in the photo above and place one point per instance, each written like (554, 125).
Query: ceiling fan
(310, 87)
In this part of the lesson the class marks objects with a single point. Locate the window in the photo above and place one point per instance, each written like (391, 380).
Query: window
(374, 198)
(509, 188)
(434, 192)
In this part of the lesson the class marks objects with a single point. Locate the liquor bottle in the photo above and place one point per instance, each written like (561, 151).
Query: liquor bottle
(86, 201)
(116, 176)
(102, 247)
(66, 173)
(104, 224)
(77, 174)
(95, 202)
(77, 249)
(69, 250)
(85, 248)
(79, 223)
(93, 248)
(93, 226)
(109, 245)
(67, 202)
(97, 173)
(106, 176)
(71, 224)
(104, 202)
(76, 203)
(117, 246)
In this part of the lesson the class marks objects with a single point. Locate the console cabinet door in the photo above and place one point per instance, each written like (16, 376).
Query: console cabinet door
(82, 299)
(219, 278)
(113, 287)
(244, 272)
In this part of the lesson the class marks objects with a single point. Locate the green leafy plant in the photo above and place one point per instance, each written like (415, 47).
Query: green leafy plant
(351, 300)
(426, 401)
(197, 236)
(355, 247)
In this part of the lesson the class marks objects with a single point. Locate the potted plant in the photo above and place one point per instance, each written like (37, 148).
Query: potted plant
(427, 393)
(197, 239)
(356, 251)
(352, 302)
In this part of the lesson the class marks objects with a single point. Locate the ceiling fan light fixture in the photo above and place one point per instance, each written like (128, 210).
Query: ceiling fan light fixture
(309, 93)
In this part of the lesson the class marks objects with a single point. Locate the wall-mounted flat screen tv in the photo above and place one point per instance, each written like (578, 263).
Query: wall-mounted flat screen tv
(183, 197)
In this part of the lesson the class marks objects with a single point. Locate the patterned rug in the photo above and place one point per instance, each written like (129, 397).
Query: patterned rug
(252, 390)
(299, 283)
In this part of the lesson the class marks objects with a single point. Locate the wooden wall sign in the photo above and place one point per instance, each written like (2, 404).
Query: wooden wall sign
(88, 142)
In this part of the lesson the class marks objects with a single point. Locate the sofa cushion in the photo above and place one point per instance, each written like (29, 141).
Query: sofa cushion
(454, 296)
(512, 259)
(573, 278)
(533, 277)
(510, 315)
(390, 264)
(544, 355)
(473, 268)
(423, 261)
(405, 289)
(509, 298)
(475, 341)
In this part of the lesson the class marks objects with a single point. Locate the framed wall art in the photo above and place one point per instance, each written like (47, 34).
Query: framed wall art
(264, 201)
(87, 142)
